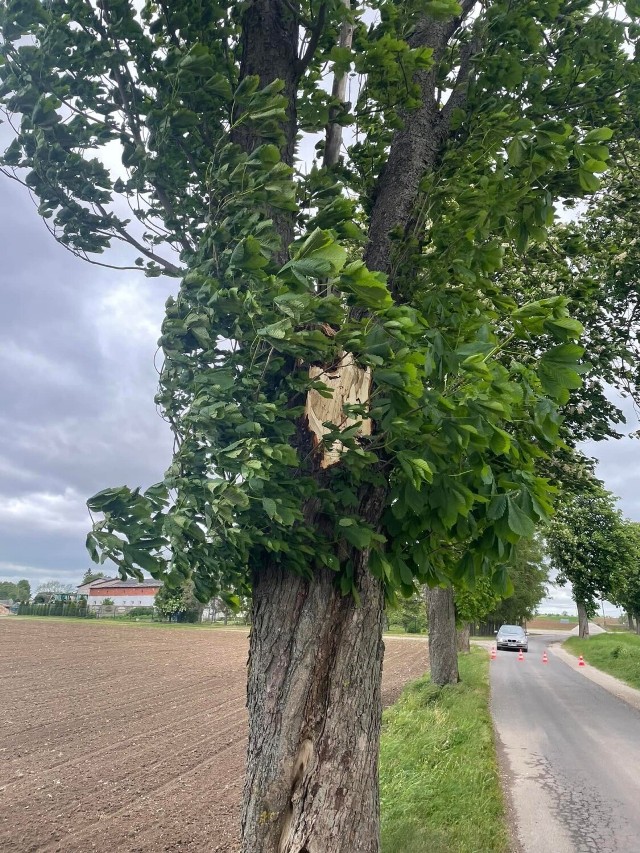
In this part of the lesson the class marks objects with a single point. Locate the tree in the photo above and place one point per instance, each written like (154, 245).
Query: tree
(529, 576)
(54, 586)
(23, 588)
(587, 546)
(371, 422)
(180, 604)
(409, 614)
(92, 576)
(625, 579)
(8, 590)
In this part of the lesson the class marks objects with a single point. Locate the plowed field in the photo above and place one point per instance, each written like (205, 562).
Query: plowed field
(119, 738)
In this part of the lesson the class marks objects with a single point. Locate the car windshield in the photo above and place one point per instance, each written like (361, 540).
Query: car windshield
(511, 629)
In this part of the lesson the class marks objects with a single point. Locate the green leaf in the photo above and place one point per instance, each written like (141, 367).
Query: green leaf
(269, 506)
(601, 134)
(518, 521)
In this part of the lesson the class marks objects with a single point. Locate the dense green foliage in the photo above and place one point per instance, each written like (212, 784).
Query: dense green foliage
(439, 783)
(467, 380)
(92, 576)
(529, 575)
(587, 545)
(410, 615)
(618, 654)
(179, 605)
(625, 578)
(20, 591)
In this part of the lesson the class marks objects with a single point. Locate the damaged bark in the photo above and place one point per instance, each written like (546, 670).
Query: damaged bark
(351, 385)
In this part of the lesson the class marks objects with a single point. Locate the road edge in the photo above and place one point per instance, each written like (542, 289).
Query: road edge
(610, 683)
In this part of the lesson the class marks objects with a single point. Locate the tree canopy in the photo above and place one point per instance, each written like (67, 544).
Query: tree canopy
(587, 545)
(625, 579)
(16, 591)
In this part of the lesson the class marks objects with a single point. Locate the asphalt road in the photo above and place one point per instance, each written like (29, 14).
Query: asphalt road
(570, 754)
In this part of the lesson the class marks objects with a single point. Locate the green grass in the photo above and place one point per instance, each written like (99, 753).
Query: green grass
(439, 783)
(618, 655)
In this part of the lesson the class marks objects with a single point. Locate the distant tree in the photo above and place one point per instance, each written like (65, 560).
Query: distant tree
(587, 545)
(180, 604)
(55, 587)
(109, 602)
(412, 615)
(529, 576)
(90, 576)
(625, 580)
(8, 590)
(24, 590)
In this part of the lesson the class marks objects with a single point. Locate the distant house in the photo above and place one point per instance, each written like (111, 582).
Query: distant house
(129, 593)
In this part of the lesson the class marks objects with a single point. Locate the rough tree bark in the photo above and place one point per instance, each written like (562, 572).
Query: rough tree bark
(463, 643)
(443, 652)
(314, 708)
(583, 621)
(630, 621)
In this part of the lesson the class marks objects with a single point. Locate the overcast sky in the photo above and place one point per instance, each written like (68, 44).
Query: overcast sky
(77, 382)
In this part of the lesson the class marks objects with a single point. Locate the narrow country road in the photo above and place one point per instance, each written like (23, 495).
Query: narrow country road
(570, 753)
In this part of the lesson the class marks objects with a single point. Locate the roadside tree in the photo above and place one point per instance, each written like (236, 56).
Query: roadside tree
(351, 412)
(625, 580)
(586, 542)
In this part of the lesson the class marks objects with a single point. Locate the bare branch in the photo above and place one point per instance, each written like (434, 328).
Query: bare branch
(459, 94)
(316, 32)
(170, 268)
(338, 93)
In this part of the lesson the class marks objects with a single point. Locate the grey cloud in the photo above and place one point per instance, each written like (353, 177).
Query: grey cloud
(76, 392)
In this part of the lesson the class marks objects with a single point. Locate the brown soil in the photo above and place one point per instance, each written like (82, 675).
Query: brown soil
(126, 738)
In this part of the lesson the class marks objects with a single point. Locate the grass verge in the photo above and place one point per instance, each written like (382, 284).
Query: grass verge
(439, 783)
(617, 654)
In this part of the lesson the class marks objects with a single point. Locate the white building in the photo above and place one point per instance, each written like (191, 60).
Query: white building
(129, 593)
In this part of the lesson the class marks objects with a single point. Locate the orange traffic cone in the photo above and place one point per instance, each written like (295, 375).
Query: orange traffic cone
(581, 661)
(545, 659)
(520, 655)
(493, 653)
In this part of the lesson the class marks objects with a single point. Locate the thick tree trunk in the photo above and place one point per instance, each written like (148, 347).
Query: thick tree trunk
(443, 653)
(583, 621)
(637, 623)
(462, 638)
(315, 666)
(630, 621)
(270, 52)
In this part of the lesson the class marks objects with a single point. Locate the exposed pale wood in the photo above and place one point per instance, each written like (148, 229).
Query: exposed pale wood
(351, 384)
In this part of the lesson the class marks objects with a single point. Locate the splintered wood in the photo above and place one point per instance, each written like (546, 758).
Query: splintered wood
(351, 385)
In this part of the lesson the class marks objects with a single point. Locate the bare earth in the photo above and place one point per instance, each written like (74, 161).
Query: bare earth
(126, 738)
